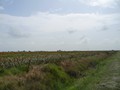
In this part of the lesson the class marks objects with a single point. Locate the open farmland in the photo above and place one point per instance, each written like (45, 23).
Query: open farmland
(61, 70)
(12, 59)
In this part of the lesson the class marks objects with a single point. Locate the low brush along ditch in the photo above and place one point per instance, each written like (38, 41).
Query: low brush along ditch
(88, 70)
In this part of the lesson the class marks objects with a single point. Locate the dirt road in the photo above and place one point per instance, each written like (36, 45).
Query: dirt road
(111, 80)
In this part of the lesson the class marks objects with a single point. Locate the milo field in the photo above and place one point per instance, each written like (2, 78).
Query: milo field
(60, 70)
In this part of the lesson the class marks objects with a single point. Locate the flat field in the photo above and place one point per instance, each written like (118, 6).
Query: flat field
(60, 70)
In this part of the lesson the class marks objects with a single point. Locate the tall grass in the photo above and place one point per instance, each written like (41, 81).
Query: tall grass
(46, 70)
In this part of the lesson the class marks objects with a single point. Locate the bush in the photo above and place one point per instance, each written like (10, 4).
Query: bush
(56, 77)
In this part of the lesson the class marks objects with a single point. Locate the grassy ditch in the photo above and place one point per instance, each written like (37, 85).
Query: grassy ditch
(69, 74)
(94, 76)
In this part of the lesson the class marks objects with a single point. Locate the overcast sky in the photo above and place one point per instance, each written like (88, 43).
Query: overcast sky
(59, 25)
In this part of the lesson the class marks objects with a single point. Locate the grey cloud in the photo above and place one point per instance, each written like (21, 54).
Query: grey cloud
(82, 37)
(108, 24)
(71, 30)
(41, 29)
(114, 26)
(15, 33)
(104, 28)
(83, 40)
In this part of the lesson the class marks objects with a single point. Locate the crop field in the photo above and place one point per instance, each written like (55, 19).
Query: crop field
(58, 70)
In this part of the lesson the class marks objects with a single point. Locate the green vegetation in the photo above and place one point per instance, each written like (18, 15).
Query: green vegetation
(94, 76)
(13, 70)
(54, 70)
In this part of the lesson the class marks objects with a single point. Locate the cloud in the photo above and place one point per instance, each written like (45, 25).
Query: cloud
(1, 8)
(83, 40)
(82, 37)
(104, 28)
(71, 30)
(47, 22)
(101, 3)
(55, 10)
(16, 33)
(46, 31)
